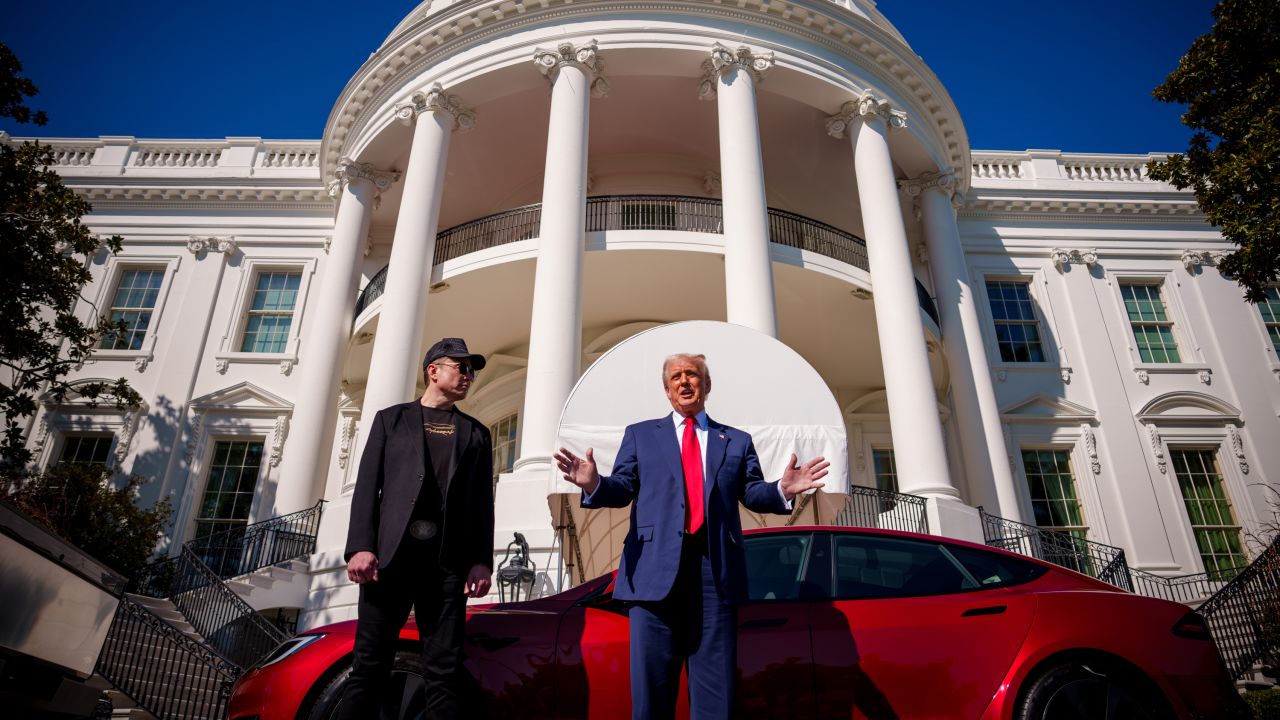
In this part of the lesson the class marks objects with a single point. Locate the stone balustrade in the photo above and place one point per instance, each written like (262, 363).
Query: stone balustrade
(991, 168)
(231, 157)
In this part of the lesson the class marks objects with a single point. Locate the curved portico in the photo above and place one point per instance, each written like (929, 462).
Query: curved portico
(570, 108)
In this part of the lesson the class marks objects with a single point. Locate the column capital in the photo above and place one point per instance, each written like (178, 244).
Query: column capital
(943, 181)
(866, 107)
(723, 58)
(349, 170)
(435, 99)
(585, 56)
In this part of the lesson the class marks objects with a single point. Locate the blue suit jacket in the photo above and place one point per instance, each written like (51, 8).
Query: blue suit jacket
(648, 471)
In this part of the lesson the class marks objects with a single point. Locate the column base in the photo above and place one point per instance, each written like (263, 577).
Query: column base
(953, 519)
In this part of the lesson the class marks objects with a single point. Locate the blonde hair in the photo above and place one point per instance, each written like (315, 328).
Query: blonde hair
(699, 360)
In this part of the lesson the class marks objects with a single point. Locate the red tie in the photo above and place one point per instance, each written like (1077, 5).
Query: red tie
(691, 458)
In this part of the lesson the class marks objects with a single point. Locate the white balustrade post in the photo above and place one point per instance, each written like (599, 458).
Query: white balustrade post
(396, 362)
(730, 76)
(918, 444)
(324, 344)
(978, 415)
(555, 331)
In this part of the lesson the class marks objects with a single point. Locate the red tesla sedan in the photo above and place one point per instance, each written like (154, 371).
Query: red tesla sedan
(842, 623)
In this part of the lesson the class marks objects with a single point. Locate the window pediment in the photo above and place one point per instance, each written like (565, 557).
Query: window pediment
(1046, 408)
(243, 397)
(1188, 407)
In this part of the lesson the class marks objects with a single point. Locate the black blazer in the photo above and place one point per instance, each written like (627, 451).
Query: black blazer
(392, 469)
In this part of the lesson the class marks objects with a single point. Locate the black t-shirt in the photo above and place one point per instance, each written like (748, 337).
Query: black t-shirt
(440, 427)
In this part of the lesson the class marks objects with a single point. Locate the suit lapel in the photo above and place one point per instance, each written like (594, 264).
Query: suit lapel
(665, 434)
(459, 447)
(717, 444)
(411, 418)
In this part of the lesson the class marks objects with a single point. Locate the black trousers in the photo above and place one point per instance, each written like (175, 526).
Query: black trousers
(414, 580)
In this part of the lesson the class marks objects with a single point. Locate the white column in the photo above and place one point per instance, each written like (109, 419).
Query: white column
(730, 76)
(555, 331)
(977, 414)
(396, 363)
(913, 407)
(324, 344)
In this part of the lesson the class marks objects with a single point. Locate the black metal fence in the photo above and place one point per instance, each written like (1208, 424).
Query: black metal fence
(639, 212)
(1244, 616)
(1104, 562)
(167, 673)
(231, 628)
(243, 549)
(1178, 588)
(875, 508)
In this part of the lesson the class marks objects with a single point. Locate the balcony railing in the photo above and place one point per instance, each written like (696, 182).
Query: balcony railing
(1104, 562)
(641, 212)
(240, 550)
(871, 507)
(1244, 616)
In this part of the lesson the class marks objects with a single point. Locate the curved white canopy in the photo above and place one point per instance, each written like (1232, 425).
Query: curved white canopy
(759, 385)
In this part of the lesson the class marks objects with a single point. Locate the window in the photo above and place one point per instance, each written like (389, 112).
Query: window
(504, 445)
(1052, 488)
(1270, 309)
(228, 495)
(886, 469)
(874, 567)
(1017, 330)
(132, 304)
(1212, 521)
(776, 566)
(270, 313)
(1149, 318)
(86, 450)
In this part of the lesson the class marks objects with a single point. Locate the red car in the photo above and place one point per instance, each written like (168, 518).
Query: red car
(842, 623)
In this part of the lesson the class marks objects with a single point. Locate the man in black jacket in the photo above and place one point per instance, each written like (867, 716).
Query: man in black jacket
(421, 533)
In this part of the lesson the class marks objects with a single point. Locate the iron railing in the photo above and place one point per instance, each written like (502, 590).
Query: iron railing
(1186, 589)
(640, 212)
(872, 507)
(230, 627)
(246, 548)
(1104, 562)
(372, 291)
(1244, 616)
(165, 672)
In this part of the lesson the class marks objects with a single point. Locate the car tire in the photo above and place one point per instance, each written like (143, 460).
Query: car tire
(1091, 690)
(406, 686)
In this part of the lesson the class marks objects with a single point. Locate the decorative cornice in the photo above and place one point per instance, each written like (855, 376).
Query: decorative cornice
(449, 32)
(722, 58)
(1067, 256)
(349, 170)
(224, 245)
(865, 107)
(585, 56)
(436, 99)
(1191, 259)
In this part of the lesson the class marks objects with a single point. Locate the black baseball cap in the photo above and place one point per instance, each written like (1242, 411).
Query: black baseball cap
(453, 348)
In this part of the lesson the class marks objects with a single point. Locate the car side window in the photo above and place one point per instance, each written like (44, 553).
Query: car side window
(879, 567)
(996, 570)
(776, 566)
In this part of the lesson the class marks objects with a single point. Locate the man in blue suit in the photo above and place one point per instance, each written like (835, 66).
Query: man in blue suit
(683, 567)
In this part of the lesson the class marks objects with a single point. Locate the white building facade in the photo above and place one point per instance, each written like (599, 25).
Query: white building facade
(1037, 333)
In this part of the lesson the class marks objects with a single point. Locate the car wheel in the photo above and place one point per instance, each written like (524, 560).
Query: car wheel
(405, 697)
(1091, 691)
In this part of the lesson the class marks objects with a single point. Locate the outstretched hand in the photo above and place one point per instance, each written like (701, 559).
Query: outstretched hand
(579, 471)
(798, 478)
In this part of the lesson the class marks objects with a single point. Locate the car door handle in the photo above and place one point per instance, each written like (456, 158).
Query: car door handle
(764, 623)
(991, 610)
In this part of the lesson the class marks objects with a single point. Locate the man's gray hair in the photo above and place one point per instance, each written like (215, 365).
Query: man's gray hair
(700, 360)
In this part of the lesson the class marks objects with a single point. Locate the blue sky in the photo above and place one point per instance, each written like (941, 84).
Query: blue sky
(1074, 76)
